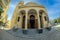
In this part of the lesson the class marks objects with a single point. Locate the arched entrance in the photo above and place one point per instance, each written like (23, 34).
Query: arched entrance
(32, 21)
(23, 22)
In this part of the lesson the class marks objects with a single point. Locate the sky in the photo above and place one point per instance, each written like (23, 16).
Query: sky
(52, 7)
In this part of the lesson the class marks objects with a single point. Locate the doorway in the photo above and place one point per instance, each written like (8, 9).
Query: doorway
(32, 21)
(23, 22)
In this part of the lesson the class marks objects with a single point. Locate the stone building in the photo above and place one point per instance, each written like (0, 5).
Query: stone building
(4, 5)
(29, 16)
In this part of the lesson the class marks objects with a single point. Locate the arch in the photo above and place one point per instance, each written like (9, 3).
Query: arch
(22, 12)
(18, 19)
(32, 11)
(45, 18)
(41, 11)
(32, 17)
(32, 21)
(23, 22)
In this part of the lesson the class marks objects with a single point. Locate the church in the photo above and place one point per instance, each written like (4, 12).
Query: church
(30, 16)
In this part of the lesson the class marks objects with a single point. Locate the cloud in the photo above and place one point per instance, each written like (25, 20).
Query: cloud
(12, 5)
(54, 10)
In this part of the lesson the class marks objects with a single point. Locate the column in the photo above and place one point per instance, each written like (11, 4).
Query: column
(25, 30)
(38, 20)
(26, 20)
(21, 22)
(42, 19)
(39, 27)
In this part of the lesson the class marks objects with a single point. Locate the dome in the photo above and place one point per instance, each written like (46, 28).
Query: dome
(32, 4)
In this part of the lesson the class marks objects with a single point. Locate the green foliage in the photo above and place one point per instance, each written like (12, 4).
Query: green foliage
(57, 20)
(1, 10)
(1, 22)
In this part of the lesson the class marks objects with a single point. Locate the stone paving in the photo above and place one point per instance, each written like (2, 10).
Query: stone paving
(54, 34)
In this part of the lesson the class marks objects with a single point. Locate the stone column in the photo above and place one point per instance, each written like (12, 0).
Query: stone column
(42, 19)
(38, 20)
(39, 27)
(26, 15)
(25, 30)
(21, 22)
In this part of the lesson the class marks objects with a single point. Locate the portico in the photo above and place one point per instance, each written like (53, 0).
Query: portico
(30, 16)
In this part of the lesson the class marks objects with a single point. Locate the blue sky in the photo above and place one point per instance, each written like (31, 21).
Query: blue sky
(52, 6)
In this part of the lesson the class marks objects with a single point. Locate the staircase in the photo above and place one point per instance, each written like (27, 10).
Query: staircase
(30, 32)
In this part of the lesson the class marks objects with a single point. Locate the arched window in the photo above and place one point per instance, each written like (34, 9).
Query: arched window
(45, 18)
(32, 11)
(32, 17)
(22, 12)
(18, 19)
(41, 12)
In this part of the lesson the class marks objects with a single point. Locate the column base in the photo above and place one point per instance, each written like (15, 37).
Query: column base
(48, 28)
(24, 31)
(40, 31)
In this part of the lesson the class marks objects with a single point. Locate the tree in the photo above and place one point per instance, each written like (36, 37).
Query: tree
(1, 10)
(1, 23)
(57, 20)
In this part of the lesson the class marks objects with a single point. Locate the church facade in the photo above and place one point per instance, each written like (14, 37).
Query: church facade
(29, 16)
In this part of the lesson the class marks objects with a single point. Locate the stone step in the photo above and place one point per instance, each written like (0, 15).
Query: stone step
(30, 32)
